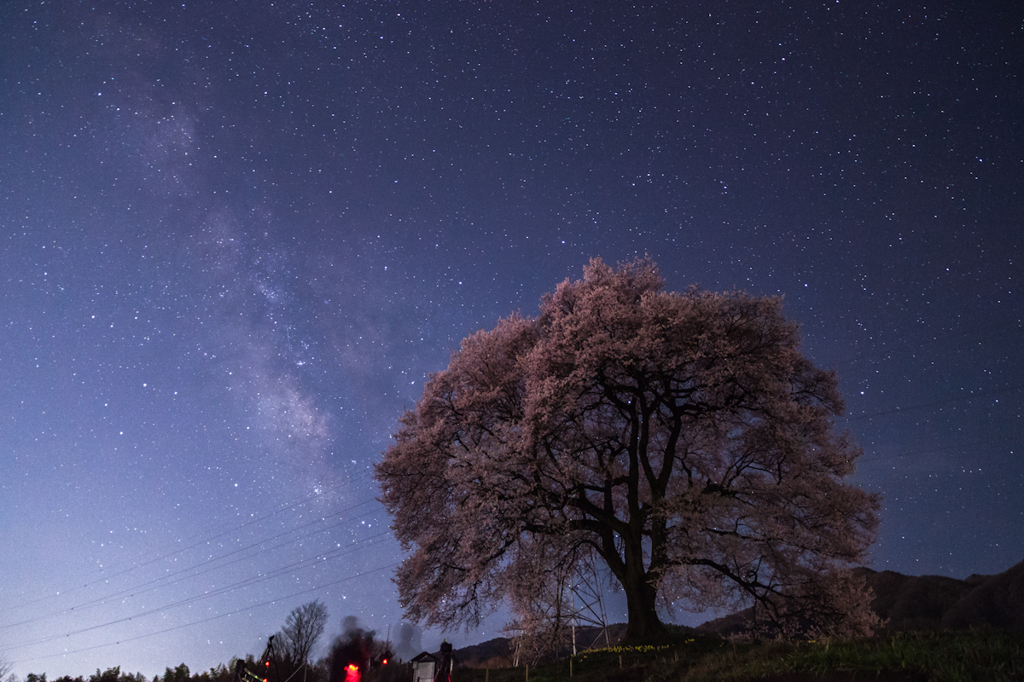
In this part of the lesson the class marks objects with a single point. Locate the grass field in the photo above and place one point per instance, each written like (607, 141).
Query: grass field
(970, 655)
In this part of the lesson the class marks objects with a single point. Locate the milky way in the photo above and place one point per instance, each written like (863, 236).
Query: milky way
(237, 237)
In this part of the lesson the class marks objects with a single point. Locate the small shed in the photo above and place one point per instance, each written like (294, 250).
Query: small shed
(423, 667)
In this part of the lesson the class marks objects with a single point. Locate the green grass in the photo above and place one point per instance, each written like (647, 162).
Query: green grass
(980, 654)
(949, 656)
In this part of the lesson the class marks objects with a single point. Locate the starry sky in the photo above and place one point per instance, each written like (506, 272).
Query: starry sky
(237, 237)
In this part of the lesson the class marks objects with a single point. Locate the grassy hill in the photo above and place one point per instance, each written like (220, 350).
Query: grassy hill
(938, 629)
(955, 656)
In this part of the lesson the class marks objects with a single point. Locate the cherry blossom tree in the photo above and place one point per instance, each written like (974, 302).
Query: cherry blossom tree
(681, 438)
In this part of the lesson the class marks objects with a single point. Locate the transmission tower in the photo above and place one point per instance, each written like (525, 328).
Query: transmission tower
(588, 605)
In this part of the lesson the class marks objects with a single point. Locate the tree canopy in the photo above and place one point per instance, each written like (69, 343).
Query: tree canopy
(682, 439)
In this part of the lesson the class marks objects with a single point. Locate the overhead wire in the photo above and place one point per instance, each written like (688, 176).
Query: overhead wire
(322, 556)
(192, 572)
(150, 584)
(197, 543)
(936, 403)
(218, 616)
(993, 334)
(899, 410)
(205, 595)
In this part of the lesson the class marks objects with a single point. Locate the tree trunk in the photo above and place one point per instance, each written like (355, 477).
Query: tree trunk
(644, 626)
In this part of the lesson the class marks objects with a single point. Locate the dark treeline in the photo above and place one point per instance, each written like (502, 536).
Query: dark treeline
(178, 674)
(282, 671)
(317, 672)
(288, 659)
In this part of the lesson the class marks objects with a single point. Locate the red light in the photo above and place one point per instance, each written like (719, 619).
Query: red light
(384, 661)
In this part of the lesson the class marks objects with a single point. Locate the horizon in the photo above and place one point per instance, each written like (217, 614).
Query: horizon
(416, 636)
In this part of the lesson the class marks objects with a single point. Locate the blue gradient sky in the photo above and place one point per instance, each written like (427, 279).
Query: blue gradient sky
(236, 237)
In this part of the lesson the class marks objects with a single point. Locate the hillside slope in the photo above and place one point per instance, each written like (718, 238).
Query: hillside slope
(929, 602)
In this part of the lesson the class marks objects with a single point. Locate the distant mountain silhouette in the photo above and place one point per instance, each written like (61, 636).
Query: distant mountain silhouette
(906, 602)
(997, 600)
(494, 653)
(928, 602)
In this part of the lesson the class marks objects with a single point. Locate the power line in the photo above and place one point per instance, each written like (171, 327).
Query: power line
(926, 451)
(907, 346)
(205, 595)
(935, 403)
(137, 589)
(188, 547)
(218, 616)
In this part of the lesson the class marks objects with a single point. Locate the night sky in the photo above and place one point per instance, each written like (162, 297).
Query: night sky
(236, 237)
